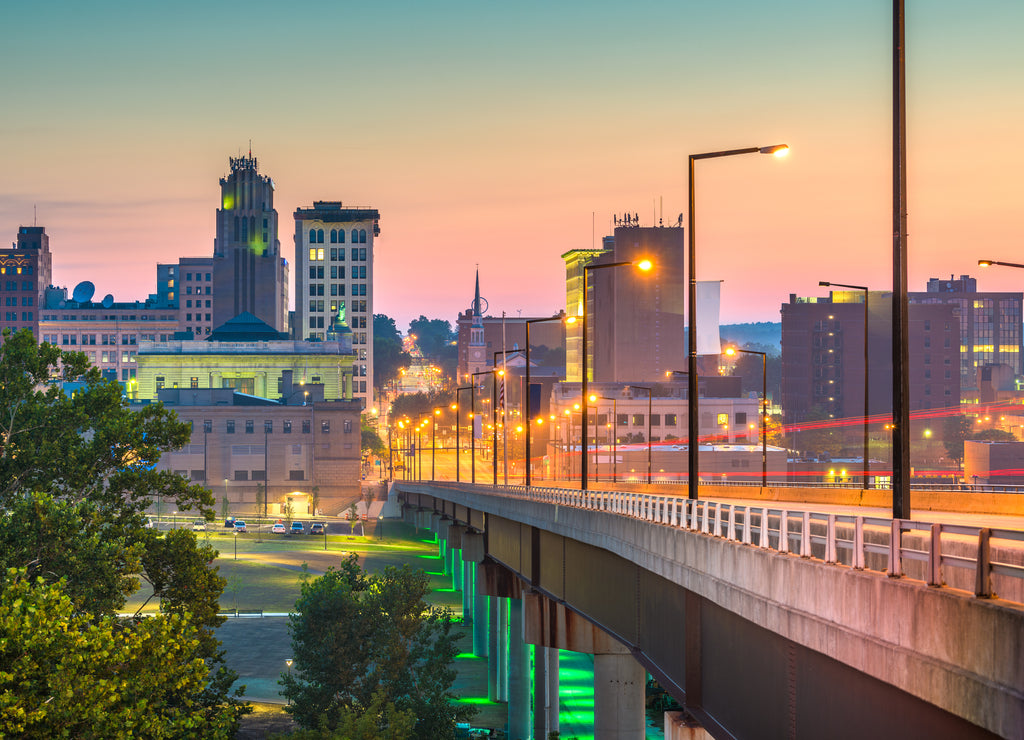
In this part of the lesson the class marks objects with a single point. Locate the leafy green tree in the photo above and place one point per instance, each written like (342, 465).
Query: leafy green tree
(65, 673)
(994, 435)
(381, 721)
(415, 405)
(388, 356)
(314, 500)
(356, 634)
(432, 335)
(372, 443)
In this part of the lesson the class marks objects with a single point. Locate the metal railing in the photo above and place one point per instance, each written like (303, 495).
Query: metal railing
(971, 559)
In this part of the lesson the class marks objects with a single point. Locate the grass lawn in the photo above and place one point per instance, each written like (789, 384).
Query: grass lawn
(268, 569)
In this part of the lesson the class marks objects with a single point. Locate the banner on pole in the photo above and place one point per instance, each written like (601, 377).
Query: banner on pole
(709, 338)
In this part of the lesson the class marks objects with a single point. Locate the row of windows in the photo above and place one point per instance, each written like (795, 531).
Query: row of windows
(199, 304)
(25, 285)
(316, 254)
(108, 317)
(249, 425)
(316, 236)
(13, 316)
(199, 276)
(188, 291)
(12, 300)
(199, 317)
(16, 270)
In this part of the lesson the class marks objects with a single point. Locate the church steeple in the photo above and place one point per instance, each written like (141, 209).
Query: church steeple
(477, 344)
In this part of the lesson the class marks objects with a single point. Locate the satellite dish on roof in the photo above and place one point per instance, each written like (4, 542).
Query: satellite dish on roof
(108, 301)
(83, 292)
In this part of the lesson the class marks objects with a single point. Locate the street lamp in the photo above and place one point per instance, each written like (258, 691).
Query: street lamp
(380, 528)
(500, 373)
(649, 409)
(764, 408)
(236, 544)
(989, 263)
(455, 408)
(645, 265)
(826, 284)
(529, 418)
(472, 417)
(778, 150)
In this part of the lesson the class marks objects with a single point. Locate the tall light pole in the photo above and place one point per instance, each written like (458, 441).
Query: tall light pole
(455, 408)
(649, 409)
(900, 306)
(826, 284)
(643, 264)
(433, 446)
(500, 373)
(526, 403)
(693, 430)
(472, 414)
(764, 408)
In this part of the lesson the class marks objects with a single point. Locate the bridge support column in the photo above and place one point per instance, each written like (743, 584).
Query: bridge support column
(481, 622)
(518, 674)
(502, 605)
(619, 680)
(467, 592)
(545, 691)
(474, 602)
(618, 697)
(678, 726)
(492, 647)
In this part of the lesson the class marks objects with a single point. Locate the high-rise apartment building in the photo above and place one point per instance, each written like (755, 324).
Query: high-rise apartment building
(249, 274)
(823, 360)
(990, 325)
(634, 319)
(334, 275)
(24, 277)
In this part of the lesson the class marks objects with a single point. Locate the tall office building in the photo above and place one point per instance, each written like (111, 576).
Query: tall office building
(249, 273)
(333, 276)
(24, 277)
(634, 319)
(990, 325)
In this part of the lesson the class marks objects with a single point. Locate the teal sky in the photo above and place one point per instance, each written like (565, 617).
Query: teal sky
(504, 135)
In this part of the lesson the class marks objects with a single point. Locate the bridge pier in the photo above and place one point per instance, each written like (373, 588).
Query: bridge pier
(545, 691)
(518, 674)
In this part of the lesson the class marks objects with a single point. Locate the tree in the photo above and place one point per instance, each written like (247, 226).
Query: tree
(66, 673)
(955, 429)
(415, 405)
(372, 443)
(388, 356)
(355, 635)
(994, 435)
(432, 336)
(314, 500)
(76, 474)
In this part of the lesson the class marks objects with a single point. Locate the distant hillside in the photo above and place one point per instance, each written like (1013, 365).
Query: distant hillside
(766, 333)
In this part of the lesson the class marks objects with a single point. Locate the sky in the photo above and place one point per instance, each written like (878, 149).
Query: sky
(503, 135)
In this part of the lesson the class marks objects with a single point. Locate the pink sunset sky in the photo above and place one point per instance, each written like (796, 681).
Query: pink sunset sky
(505, 135)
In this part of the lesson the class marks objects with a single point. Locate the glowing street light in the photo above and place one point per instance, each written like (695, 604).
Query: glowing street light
(764, 408)
(778, 150)
(644, 265)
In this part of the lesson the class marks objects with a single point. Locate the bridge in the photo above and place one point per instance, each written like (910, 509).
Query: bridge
(762, 618)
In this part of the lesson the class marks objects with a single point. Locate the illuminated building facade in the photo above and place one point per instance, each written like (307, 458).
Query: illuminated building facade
(823, 356)
(247, 355)
(334, 275)
(24, 277)
(249, 274)
(990, 325)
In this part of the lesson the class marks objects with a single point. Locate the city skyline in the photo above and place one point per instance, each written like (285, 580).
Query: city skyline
(504, 138)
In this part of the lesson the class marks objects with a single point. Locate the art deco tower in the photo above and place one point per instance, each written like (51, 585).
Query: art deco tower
(249, 273)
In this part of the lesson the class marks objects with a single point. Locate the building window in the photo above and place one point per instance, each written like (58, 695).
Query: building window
(296, 475)
(325, 427)
(670, 420)
(347, 426)
(286, 426)
(241, 475)
(334, 236)
(305, 426)
(268, 427)
(229, 426)
(249, 426)
(638, 420)
(207, 426)
(160, 379)
(193, 382)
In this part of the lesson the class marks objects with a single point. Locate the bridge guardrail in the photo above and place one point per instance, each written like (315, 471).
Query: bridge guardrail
(938, 554)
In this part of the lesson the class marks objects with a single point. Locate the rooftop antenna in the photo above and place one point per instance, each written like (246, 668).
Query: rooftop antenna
(250, 148)
(34, 215)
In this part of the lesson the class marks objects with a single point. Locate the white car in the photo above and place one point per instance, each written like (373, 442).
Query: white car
(278, 528)
(199, 526)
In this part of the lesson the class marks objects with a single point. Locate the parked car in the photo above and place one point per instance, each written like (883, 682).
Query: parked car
(297, 528)
(198, 526)
(278, 528)
(239, 525)
(318, 528)
(229, 522)
(148, 524)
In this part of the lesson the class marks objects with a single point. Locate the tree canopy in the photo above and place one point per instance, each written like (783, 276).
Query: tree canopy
(360, 639)
(388, 356)
(76, 474)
